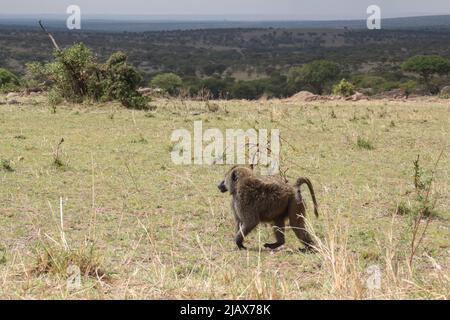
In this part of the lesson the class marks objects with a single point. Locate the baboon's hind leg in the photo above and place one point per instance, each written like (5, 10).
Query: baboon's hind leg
(298, 225)
(244, 229)
(279, 234)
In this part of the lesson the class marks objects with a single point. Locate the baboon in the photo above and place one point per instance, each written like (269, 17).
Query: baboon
(267, 200)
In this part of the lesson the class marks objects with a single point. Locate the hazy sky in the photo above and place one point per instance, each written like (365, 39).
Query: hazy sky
(299, 9)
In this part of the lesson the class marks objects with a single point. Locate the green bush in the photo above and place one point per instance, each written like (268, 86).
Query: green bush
(37, 74)
(121, 82)
(54, 98)
(8, 80)
(76, 76)
(169, 82)
(344, 88)
(409, 86)
(376, 83)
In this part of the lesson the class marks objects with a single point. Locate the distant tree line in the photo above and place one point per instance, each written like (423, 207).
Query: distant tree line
(425, 74)
(75, 75)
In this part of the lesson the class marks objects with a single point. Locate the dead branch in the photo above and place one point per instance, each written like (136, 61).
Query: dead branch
(50, 36)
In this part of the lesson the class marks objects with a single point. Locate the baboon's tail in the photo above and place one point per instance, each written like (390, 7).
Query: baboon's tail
(299, 183)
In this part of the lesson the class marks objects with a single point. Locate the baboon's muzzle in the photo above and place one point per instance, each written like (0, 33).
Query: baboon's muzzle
(222, 187)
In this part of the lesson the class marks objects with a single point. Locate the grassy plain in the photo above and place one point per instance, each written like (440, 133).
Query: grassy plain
(140, 227)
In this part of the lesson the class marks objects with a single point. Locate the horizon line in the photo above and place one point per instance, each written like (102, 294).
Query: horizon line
(204, 17)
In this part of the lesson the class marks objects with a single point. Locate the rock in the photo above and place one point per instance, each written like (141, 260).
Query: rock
(32, 90)
(333, 98)
(12, 95)
(304, 96)
(145, 90)
(396, 94)
(445, 91)
(12, 101)
(358, 96)
(367, 91)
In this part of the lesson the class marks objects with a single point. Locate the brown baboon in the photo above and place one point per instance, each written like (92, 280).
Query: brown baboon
(267, 200)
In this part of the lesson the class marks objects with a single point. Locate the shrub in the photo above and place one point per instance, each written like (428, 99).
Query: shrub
(75, 76)
(169, 82)
(344, 88)
(54, 98)
(8, 80)
(409, 86)
(121, 82)
(38, 74)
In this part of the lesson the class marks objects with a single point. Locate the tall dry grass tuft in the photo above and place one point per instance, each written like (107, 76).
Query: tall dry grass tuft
(57, 257)
(340, 269)
(346, 276)
(56, 260)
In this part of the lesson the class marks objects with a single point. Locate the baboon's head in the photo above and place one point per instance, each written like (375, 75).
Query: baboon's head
(232, 177)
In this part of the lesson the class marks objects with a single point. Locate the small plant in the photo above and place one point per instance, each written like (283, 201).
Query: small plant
(54, 99)
(333, 115)
(6, 165)
(2, 255)
(57, 161)
(140, 140)
(344, 88)
(212, 107)
(20, 137)
(403, 209)
(423, 183)
(355, 118)
(365, 144)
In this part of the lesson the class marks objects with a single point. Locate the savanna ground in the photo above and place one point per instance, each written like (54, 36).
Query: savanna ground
(140, 227)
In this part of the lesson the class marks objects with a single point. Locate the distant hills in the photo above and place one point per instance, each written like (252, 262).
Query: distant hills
(123, 24)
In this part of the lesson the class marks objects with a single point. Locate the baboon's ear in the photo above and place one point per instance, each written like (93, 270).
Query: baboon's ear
(234, 176)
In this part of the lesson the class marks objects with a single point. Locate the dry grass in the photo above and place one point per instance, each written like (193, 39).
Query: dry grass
(163, 231)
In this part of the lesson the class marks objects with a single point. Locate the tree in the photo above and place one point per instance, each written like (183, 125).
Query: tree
(315, 75)
(249, 90)
(217, 87)
(169, 82)
(427, 66)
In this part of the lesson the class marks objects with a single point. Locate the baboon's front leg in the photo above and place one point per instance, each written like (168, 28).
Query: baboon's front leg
(278, 230)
